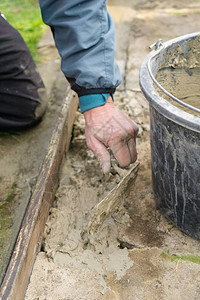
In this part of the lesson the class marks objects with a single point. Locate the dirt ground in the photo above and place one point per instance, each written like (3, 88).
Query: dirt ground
(136, 254)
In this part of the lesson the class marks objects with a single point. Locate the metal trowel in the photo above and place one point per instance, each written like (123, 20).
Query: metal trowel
(113, 200)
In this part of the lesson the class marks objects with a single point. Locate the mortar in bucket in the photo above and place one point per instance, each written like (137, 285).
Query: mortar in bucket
(175, 134)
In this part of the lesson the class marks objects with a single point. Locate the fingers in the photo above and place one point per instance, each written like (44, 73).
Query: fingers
(132, 149)
(106, 126)
(124, 151)
(123, 143)
(121, 153)
(101, 152)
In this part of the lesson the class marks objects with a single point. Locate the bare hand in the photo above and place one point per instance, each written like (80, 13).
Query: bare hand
(107, 126)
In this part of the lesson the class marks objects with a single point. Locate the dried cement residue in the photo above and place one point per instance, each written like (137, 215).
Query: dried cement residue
(186, 55)
(52, 282)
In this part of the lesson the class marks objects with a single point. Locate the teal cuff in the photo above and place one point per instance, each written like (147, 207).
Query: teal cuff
(87, 102)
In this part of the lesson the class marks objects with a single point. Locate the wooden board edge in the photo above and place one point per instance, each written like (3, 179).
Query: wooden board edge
(30, 235)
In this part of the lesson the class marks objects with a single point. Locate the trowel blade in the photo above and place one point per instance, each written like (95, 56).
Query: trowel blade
(113, 200)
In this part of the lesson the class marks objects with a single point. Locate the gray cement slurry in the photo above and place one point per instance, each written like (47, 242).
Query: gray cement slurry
(182, 83)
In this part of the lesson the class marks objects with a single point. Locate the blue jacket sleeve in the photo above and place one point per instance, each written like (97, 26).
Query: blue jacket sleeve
(84, 34)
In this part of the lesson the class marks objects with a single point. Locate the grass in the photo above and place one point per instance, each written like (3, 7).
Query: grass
(189, 258)
(177, 13)
(6, 213)
(9, 133)
(9, 197)
(25, 16)
(6, 224)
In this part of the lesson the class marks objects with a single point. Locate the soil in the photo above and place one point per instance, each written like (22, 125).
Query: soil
(136, 253)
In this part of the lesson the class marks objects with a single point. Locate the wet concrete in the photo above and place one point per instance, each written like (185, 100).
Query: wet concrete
(183, 83)
(138, 253)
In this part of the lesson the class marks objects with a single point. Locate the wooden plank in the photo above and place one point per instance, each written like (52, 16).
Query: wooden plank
(30, 236)
(113, 200)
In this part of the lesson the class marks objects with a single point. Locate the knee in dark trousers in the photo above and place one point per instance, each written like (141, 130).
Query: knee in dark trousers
(22, 92)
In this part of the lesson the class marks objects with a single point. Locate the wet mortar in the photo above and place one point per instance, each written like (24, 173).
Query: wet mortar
(183, 83)
(124, 259)
(179, 74)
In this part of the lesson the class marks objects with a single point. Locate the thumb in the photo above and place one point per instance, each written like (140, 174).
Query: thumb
(101, 152)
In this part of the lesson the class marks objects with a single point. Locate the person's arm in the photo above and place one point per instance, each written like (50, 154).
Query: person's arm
(84, 34)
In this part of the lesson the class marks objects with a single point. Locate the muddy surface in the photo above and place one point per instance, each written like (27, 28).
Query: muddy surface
(179, 73)
(136, 253)
(183, 83)
(22, 153)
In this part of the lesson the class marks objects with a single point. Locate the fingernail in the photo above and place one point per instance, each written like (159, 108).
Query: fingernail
(105, 167)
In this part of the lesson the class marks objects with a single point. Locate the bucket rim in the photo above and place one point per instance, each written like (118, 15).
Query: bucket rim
(155, 100)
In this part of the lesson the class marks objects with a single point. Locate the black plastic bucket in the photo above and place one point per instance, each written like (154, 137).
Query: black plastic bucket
(175, 140)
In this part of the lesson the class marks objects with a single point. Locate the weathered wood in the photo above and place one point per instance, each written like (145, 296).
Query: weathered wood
(113, 200)
(30, 236)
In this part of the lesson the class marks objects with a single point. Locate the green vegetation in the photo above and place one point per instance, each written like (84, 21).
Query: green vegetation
(25, 16)
(6, 223)
(11, 194)
(189, 258)
(6, 212)
(176, 12)
(10, 133)
(9, 197)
